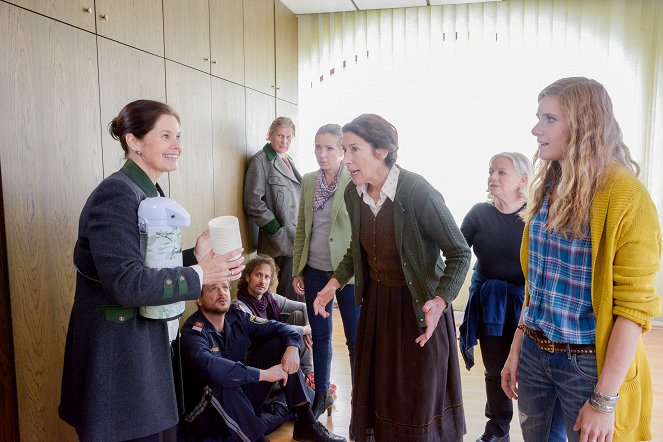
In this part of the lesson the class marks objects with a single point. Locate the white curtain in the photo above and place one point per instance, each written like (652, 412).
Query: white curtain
(460, 82)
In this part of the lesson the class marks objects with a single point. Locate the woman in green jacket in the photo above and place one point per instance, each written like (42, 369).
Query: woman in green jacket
(591, 248)
(407, 376)
(321, 239)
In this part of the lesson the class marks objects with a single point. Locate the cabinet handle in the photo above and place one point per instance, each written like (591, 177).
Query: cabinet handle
(88, 10)
(206, 58)
(213, 61)
(104, 17)
(278, 87)
(271, 85)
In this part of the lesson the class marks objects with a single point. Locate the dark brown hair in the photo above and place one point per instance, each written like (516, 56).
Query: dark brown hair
(253, 264)
(138, 118)
(377, 132)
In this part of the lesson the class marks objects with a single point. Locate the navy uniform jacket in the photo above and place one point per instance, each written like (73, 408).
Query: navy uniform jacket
(210, 357)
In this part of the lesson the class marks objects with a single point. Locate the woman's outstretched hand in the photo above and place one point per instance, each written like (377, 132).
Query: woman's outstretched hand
(324, 296)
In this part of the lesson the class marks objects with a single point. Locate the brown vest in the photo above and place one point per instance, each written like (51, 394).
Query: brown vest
(378, 241)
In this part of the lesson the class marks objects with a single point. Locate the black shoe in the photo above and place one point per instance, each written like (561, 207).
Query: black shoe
(490, 438)
(315, 433)
(320, 405)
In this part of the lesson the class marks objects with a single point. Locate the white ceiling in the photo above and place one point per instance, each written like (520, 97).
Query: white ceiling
(318, 6)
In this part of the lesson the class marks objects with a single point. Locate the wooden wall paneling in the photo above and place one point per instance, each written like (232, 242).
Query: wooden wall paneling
(227, 39)
(259, 57)
(260, 112)
(192, 184)
(186, 32)
(229, 150)
(51, 160)
(136, 23)
(285, 23)
(126, 74)
(79, 13)
(287, 109)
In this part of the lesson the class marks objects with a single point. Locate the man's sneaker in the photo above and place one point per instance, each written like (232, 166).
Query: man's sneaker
(315, 433)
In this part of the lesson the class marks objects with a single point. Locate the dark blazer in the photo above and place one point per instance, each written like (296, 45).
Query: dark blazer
(271, 200)
(117, 380)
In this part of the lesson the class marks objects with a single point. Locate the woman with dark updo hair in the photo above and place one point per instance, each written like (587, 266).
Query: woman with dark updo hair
(117, 381)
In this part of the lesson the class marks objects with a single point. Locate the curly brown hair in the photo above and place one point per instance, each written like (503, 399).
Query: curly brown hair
(253, 264)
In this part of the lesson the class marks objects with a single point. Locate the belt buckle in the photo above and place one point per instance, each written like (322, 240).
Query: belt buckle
(550, 348)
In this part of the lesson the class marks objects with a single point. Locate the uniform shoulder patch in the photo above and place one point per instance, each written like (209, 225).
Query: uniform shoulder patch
(198, 326)
(257, 319)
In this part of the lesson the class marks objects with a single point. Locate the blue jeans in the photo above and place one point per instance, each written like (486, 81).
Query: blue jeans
(552, 388)
(321, 328)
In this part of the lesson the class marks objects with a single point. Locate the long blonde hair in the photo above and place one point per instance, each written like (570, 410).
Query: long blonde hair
(595, 140)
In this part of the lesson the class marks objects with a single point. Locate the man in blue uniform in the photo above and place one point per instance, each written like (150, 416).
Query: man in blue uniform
(224, 396)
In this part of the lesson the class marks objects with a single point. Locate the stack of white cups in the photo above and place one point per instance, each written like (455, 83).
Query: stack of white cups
(224, 232)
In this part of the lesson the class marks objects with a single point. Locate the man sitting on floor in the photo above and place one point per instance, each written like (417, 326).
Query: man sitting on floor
(223, 395)
(254, 296)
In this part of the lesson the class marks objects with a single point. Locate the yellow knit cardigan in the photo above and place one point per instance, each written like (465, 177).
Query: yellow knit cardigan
(626, 251)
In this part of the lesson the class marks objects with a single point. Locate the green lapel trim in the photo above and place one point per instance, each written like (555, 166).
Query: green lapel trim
(139, 177)
(269, 151)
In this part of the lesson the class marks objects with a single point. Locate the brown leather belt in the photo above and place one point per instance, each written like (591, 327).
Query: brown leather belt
(546, 344)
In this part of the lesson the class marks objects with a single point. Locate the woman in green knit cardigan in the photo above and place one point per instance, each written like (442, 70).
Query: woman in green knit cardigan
(407, 376)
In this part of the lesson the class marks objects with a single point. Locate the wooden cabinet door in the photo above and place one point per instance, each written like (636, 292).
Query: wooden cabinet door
(186, 32)
(287, 109)
(79, 13)
(226, 24)
(286, 53)
(259, 58)
(192, 184)
(260, 112)
(126, 74)
(136, 23)
(51, 160)
(229, 145)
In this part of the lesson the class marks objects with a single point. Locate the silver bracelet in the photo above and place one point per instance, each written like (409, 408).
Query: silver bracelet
(604, 397)
(601, 407)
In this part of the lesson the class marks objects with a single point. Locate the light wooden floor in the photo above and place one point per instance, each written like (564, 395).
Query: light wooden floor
(473, 391)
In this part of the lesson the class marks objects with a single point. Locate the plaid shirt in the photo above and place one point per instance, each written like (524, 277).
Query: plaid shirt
(559, 283)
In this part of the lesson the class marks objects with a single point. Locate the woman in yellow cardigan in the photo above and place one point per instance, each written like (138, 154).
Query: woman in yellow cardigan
(590, 252)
